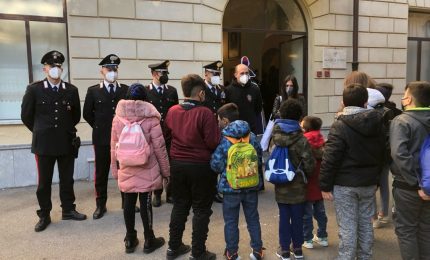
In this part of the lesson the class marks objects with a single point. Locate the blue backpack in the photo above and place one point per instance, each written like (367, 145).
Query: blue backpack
(424, 178)
(280, 169)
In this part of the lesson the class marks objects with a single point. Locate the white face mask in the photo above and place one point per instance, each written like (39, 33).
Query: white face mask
(55, 72)
(215, 80)
(244, 79)
(111, 76)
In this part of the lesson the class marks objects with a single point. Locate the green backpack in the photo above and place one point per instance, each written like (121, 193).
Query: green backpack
(242, 164)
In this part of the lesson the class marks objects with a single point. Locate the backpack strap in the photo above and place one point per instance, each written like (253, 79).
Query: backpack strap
(128, 123)
(233, 140)
(123, 120)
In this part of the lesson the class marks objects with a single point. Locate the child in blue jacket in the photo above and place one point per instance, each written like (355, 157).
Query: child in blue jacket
(228, 116)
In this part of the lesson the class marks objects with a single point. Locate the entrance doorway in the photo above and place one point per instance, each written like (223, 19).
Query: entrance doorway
(273, 35)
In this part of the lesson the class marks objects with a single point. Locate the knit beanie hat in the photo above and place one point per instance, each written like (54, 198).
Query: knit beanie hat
(136, 92)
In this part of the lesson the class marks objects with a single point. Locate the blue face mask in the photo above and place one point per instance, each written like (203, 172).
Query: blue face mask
(290, 91)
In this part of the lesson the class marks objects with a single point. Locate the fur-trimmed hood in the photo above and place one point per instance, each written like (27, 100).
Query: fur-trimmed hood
(136, 110)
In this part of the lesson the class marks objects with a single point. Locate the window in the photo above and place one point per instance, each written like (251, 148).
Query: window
(28, 29)
(418, 47)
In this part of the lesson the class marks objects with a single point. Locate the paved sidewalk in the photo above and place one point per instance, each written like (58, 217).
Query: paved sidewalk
(103, 238)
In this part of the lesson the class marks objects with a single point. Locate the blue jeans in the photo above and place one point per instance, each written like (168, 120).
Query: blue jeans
(231, 209)
(291, 225)
(314, 209)
(384, 191)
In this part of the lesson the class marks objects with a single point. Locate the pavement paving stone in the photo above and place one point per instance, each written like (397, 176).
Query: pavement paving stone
(103, 238)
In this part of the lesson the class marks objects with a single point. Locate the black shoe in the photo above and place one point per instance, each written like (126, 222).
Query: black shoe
(297, 253)
(169, 200)
(152, 244)
(283, 255)
(130, 244)
(174, 253)
(218, 198)
(136, 209)
(205, 256)
(73, 215)
(156, 202)
(42, 224)
(99, 212)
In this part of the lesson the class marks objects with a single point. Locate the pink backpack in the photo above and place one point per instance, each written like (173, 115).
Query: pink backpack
(132, 149)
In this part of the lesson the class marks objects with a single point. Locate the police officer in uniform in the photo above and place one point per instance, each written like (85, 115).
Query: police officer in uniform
(99, 110)
(214, 96)
(50, 110)
(162, 96)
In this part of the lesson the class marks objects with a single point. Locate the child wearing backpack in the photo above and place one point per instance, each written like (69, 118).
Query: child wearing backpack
(139, 162)
(237, 159)
(409, 133)
(314, 206)
(291, 196)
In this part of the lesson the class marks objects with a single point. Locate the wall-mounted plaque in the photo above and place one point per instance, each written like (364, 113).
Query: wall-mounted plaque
(334, 58)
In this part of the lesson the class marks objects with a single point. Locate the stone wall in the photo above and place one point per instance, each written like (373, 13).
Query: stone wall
(383, 28)
(189, 33)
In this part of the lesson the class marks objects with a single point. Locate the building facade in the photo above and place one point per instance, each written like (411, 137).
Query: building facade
(312, 39)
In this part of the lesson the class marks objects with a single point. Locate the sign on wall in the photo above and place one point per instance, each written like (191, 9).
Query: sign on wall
(334, 58)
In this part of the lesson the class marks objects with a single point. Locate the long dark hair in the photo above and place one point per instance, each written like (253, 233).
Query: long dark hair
(282, 88)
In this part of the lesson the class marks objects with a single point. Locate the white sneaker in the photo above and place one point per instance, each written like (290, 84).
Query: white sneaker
(322, 241)
(383, 220)
(377, 223)
(308, 244)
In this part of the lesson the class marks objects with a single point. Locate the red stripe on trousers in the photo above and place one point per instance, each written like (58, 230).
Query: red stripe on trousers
(95, 175)
(37, 165)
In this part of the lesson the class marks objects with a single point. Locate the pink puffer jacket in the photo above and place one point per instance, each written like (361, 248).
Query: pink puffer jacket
(149, 176)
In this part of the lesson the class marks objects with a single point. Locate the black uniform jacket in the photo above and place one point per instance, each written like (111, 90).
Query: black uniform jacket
(51, 116)
(164, 101)
(248, 99)
(212, 101)
(99, 110)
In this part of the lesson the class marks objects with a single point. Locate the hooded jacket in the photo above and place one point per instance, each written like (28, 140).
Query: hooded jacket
(407, 134)
(236, 129)
(354, 151)
(316, 140)
(287, 133)
(147, 177)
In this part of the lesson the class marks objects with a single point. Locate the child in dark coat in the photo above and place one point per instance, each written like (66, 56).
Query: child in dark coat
(291, 196)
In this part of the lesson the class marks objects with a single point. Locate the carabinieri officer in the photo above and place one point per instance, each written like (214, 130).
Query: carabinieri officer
(99, 110)
(162, 96)
(50, 110)
(215, 96)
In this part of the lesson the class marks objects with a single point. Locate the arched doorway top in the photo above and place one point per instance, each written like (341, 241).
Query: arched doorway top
(267, 15)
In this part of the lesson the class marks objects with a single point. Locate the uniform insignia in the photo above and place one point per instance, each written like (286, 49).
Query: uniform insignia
(113, 58)
(249, 97)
